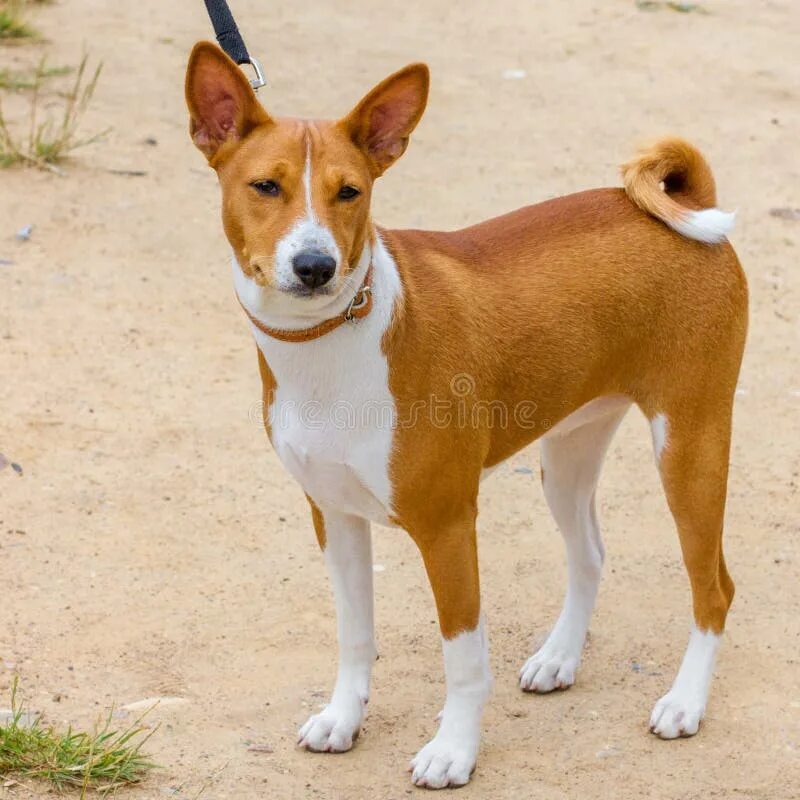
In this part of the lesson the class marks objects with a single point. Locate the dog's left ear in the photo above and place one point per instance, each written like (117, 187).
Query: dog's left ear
(222, 104)
(383, 121)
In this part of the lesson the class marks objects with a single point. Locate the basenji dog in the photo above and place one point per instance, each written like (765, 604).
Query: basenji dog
(400, 366)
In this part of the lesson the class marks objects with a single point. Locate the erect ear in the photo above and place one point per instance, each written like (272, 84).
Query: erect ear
(222, 104)
(382, 122)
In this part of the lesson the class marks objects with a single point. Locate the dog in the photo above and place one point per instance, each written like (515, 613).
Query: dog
(400, 366)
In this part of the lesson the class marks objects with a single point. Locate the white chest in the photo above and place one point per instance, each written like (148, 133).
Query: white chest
(333, 432)
(332, 417)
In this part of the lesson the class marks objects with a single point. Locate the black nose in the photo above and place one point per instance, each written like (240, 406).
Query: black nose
(313, 269)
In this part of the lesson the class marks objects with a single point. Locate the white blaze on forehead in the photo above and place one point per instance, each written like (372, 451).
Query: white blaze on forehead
(306, 234)
(307, 181)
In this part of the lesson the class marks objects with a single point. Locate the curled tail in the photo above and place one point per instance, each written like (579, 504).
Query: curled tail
(674, 167)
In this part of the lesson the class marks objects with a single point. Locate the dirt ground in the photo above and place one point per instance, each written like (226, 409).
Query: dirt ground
(154, 547)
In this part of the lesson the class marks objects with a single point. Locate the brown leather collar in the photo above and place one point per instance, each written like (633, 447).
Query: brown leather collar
(358, 308)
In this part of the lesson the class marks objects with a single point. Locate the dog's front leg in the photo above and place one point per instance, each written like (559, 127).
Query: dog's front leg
(451, 560)
(347, 546)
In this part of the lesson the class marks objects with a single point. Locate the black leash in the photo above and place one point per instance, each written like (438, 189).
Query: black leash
(230, 40)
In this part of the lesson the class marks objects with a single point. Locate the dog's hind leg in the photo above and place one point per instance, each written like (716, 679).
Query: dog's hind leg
(692, 445)
(571, 460)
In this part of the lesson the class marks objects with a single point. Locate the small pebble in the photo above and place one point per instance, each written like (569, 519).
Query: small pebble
(260, 748)
(523, 470)
(785, 213)
(23, 234)
(514, 74)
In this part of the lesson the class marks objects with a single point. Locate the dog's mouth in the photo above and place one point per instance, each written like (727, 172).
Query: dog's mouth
(306, 293)
(294, 288)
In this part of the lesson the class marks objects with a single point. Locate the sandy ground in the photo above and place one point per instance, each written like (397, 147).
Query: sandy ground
(154, 547)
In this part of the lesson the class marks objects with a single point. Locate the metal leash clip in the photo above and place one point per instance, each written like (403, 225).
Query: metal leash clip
(359, 301)
(259, 79)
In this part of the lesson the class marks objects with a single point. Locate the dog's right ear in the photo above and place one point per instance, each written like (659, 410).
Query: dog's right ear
(222, 104)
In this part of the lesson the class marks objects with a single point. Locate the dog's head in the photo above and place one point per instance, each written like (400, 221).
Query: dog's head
(296, 193)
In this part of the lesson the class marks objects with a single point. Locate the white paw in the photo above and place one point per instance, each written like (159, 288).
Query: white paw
(333, 730)
(676, 714)
(550, 668)
(444, 761)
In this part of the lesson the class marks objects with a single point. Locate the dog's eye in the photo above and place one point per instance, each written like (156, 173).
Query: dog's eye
(348, 193)
(267, 188)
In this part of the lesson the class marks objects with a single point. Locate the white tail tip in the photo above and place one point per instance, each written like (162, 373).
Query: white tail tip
(709, 225)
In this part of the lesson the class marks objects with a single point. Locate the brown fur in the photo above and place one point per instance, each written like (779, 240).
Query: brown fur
(319, 523)
(558, 304)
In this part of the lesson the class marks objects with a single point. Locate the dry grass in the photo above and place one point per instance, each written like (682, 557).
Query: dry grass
(51, 139)
(16, 80)
(103, 760)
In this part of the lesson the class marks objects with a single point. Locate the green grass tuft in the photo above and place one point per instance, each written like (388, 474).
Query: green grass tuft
(103, 760)
(12, 22)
